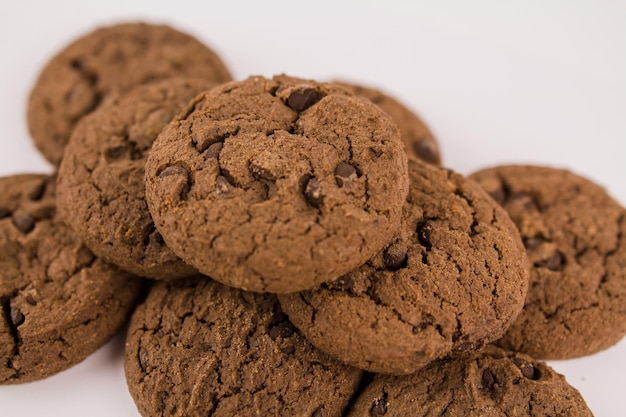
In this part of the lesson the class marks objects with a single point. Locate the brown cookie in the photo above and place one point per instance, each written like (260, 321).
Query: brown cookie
(277, 185)
(490, 383)
(100, 191)
(453, 280)
(198, 348)
(110, 60)
(419, 142)
(59, 302)
(575, 236)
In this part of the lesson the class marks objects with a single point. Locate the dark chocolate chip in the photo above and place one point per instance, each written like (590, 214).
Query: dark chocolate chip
(555, 262)
(302, 100)
(533, 242)
(499, 195)
(523, 199)
(173, 170)
(395, 256)
(158, 238)
(17, 317)
(284, 330)
(37, 192)
(213, 151)
(527, 369)
(142, 356)
(4, 212)
(424, 233)
(379, 408)
(262, 172)
(313, 192)
(113, 154)
(425, 150)
(516, 381)
(288, 350)
(343, 283)
(31, 300)
(23, 221)
(488, 380)
(344, 173)
(221, 184)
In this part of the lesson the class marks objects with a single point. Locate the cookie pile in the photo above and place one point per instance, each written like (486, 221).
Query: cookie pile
(291, 247)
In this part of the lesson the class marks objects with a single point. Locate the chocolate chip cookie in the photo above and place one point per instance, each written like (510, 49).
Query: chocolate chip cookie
(490, 383)
(59, 302)
(453, 279)
(100, 182)
(419, 142)
(198, 348)
(109, 60)
(277, 185)
(575, 236)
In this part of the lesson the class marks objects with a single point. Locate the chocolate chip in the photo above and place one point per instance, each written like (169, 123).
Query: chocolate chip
(283, 330)
(555, 262)
(424, 233)
(142, 356)
(262, 172)
(395, 256)
(288, 350)
(30, 299)
(319, 412)
(158, 238)
(173, 170)
(221, 184)
(313, 192)
(37, 192)
(344, 173)
(4, 212)
(23, 221)
(527, 369)
(533, 242)
(343, 283)
(303, 99)
(488, 380)
(499, 195)
(516, 381)
(113, 154)
(425, 150)
(523, 199)
(17, 317)
(213, 151)
(379, 408)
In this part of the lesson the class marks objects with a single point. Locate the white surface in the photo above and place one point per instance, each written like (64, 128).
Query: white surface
(537, 82)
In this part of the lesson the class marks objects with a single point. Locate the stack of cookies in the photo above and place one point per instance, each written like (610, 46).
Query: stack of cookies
(291, 247)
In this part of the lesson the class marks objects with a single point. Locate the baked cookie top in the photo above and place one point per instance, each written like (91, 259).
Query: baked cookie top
(453, 280)
(575, 236)
(490, 383)
(110, 60)
(277, 185)
(419, 142)
(59, 302)
(101, 192)
(199, 348)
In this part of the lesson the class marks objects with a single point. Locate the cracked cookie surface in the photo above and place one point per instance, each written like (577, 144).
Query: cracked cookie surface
(491, 383)
(419, 142)
(100, 185)
(575, 236)
(453, 279)
(110, 60)
(198, 348)
(277, 185)
(59, 302)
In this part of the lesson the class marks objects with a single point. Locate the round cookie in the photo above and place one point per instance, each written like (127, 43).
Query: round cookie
(453, 280)
(59, 302)
(419, 142)
(109, 60)
(276, 185)
(575, 236)
(490, 383)
(100, 187)
(199, 348)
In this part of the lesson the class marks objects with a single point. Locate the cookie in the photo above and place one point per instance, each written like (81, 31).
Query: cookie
(452, 280)
(198, 348)
(100, 182)
(109, 60)
(277, 185)
(59, 302)
(575, 236)
(490, 383)
(419, 142)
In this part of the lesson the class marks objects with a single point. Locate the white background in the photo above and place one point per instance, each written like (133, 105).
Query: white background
(532, 81)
